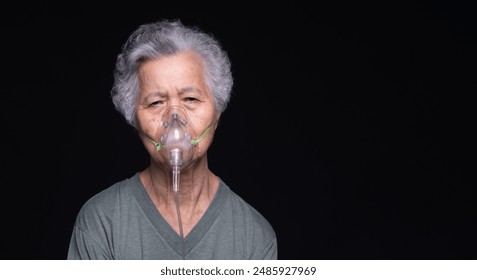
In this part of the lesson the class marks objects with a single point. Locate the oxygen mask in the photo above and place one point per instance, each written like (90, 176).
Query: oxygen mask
(176, 138)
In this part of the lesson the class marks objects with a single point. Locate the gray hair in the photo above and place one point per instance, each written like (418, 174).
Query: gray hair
(165, 38)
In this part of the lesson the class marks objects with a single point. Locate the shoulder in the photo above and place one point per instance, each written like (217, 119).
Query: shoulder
(258, 234)
(106, 203)
(251, 217)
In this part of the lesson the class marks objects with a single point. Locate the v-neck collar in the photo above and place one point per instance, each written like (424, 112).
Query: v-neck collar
(163, 227)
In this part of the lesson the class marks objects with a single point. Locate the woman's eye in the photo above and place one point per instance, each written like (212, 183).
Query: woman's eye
(190, 99)
(155, 103)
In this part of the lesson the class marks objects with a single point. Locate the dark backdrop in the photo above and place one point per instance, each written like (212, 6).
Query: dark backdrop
(351, 127)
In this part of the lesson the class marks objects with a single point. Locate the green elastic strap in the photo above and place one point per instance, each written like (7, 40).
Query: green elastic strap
(193, 142)
(157, 145)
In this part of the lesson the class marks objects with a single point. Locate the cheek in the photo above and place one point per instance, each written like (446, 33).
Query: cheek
(205, 143)
(147, 125)
(202, 118)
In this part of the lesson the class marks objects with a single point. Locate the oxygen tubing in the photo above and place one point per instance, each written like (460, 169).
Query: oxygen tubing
(175, 188)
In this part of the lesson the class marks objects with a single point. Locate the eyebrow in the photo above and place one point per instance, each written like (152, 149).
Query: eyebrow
(190, 89)
(181, 92)
(154, 93)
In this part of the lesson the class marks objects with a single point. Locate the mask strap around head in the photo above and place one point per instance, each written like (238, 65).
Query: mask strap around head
(193, 142)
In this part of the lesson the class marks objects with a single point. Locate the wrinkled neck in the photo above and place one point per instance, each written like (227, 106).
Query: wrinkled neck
(192, 179)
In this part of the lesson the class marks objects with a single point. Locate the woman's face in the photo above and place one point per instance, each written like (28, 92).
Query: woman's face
(176, 80)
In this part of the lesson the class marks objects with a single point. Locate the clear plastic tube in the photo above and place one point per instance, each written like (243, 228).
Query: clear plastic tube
(175, 187)
(181, 231)
(176, 173)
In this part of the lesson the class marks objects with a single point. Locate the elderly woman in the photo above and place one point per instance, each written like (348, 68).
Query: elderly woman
(171, 83)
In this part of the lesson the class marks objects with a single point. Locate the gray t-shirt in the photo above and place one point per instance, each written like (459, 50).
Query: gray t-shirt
(122, 222)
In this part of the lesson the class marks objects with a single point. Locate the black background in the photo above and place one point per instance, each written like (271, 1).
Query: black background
(351, 127)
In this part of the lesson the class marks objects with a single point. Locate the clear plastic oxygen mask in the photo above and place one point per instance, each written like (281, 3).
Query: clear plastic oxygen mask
(177, 144)
(177, 141)
(175, 135)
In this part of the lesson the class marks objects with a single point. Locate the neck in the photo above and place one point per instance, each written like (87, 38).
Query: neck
(196, 191)
(196, 186)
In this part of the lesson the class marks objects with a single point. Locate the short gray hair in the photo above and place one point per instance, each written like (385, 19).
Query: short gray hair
(165, 38)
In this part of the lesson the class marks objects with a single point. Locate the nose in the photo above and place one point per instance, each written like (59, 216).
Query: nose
(175, 113)
(174, 102)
